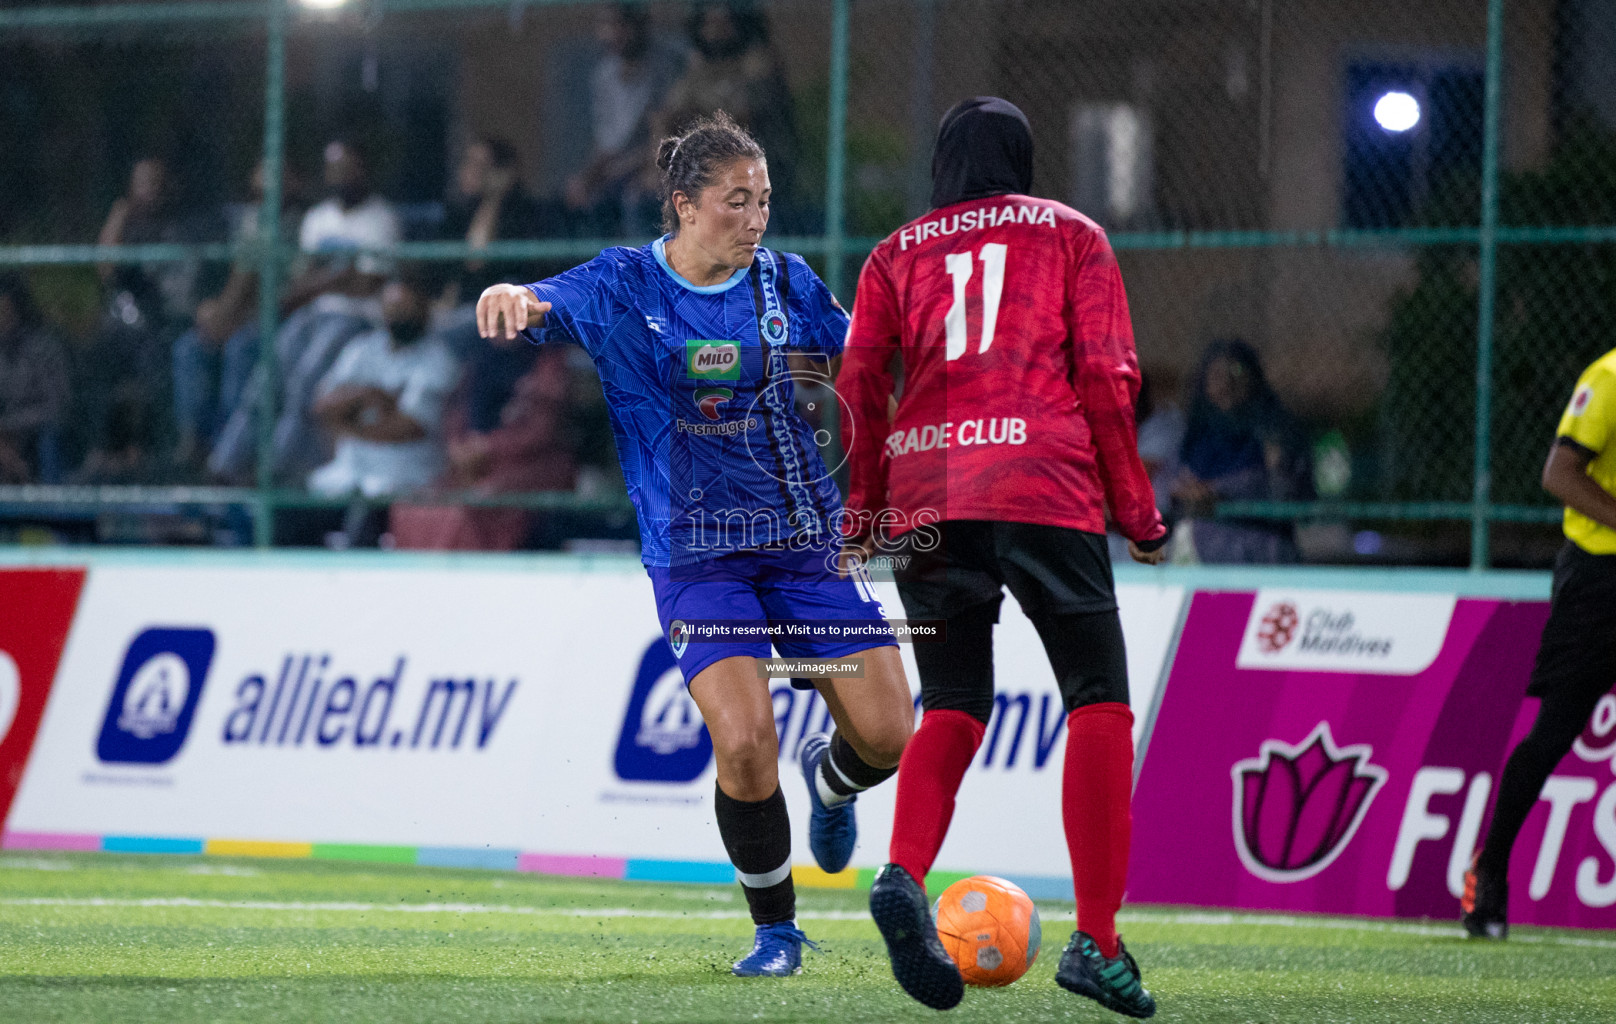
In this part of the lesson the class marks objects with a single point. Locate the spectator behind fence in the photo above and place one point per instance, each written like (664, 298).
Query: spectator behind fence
(527, 448)
(332, 297)
(383, 401)
(1161, 435)
(627, 86)
(34, 388)
(736, 69)
(1240, 444)
(127, 450)
(143, 306)
(489, 206)
(214, 359)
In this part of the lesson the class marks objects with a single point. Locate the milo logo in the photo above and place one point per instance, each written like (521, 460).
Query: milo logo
(713, 360)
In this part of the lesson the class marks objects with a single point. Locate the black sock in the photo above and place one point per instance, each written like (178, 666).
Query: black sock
(846, 773)
(1559, 721)
(758, 838)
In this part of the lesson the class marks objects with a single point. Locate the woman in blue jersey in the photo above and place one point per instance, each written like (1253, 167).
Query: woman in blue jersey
(696, 338)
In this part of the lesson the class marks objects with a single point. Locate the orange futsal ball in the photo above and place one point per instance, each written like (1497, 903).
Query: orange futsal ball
(990, 928)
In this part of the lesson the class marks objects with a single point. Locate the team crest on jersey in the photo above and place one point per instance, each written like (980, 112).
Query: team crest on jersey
(678, 637)
(710, 401)
(773, 326)
(1580, 400)
(713, 360)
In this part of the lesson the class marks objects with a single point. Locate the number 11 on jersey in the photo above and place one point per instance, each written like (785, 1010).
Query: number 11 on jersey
(960, 265)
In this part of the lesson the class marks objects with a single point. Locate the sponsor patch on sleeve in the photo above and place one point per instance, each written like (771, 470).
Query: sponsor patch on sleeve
(1581, 399)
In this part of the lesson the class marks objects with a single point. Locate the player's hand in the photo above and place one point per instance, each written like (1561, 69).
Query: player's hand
(1156, 557)
(854, 554)
(505, 310)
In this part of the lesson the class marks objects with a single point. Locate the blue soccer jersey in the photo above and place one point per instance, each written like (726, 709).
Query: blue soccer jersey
(714, 453)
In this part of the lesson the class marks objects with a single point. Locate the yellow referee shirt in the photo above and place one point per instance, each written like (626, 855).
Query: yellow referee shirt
(1590, 421)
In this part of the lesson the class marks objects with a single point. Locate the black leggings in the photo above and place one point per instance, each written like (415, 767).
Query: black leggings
(1560, 720)
(1085, 649)
(1575, 667)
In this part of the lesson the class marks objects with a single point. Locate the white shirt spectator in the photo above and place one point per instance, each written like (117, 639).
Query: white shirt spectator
(329, 229)
(421, 375)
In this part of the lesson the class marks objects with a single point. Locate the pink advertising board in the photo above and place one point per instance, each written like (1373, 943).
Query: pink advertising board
(1335, 752)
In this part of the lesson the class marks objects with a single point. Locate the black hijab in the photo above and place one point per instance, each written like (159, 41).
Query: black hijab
(984, 148)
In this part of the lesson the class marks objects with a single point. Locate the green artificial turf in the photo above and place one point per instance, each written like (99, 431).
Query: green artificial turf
(175, 940)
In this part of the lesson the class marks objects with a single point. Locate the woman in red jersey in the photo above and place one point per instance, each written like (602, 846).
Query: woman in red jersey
(1013, 434)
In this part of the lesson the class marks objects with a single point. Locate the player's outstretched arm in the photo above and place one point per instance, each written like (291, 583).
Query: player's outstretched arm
(505, 310)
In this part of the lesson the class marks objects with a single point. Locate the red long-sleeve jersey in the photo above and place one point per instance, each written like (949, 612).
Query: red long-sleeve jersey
(1019, 375)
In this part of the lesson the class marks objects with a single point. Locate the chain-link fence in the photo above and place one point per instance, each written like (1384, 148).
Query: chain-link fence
(1407, 214)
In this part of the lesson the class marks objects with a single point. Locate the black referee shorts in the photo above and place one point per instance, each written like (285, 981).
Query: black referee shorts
(1577, 658)
(1061, 578)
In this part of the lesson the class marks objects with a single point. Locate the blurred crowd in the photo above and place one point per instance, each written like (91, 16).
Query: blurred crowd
(383, 388)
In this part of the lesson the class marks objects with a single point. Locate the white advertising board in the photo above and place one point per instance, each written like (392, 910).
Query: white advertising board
(470, 708)
(1345, 631)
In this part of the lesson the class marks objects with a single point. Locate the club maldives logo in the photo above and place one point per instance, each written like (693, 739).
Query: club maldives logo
(1345, 631)
(713, 360)
(1297, 807)
(774, 328)
(711, 400)
(1278, 627)
(678, 637)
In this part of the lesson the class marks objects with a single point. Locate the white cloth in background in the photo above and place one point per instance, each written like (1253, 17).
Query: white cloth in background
(620, 103)
(329, 229)
(422, 376)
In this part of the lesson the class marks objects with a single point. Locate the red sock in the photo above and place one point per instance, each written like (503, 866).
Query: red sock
(1095, 796)
(929, 775)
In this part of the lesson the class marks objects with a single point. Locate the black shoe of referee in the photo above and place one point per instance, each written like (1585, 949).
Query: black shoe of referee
(1485, 904)
(919, 962)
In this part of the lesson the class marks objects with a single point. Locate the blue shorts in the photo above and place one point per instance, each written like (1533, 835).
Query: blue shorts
(773, 587)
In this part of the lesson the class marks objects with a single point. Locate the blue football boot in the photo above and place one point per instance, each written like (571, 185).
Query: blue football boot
(832, 831)
(776, 953)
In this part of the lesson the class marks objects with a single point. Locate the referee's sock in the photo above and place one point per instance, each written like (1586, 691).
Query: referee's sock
(757, 835)
(843, 775)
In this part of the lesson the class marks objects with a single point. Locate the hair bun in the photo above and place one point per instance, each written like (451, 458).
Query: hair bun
(665, 151)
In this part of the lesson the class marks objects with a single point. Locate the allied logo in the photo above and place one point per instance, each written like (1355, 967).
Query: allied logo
(1296, 808)
(663, 738)
(710, 400)
(155, 698)
(713, 360)
(774, 328)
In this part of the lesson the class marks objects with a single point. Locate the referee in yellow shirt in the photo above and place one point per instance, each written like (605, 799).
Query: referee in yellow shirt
(1576, 663)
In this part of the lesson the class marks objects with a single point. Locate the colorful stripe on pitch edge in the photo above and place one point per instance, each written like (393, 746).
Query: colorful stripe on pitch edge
(489, 858)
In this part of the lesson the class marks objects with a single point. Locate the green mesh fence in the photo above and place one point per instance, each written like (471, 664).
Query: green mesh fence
(1408, 211)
